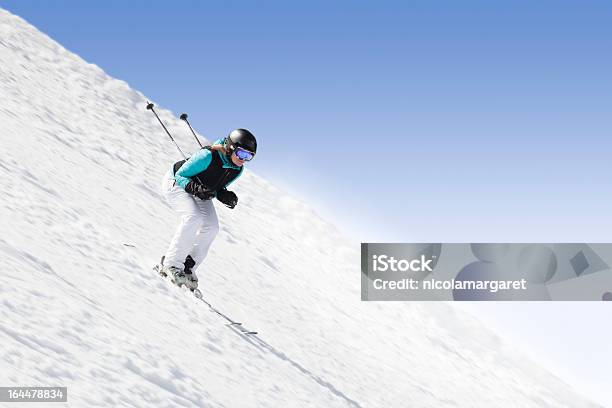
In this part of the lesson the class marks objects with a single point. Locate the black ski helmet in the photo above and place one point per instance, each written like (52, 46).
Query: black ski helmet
(240, 138)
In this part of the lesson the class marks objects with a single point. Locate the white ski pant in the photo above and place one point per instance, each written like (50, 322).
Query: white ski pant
(198, 225)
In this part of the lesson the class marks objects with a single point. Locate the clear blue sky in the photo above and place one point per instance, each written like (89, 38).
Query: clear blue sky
(430, 121)
(420, 120)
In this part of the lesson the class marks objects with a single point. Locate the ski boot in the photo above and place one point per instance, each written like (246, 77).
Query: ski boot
(177, 276)
(192, 279)
(188, 278)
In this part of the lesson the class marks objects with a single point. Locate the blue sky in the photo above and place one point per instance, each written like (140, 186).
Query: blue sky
(431, 121)
(399, 120)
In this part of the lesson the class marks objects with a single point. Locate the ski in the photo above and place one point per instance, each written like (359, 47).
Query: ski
(198, 295)
(231, 322)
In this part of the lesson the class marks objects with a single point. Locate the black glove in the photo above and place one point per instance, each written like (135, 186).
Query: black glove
(199, 190)
(228, 198)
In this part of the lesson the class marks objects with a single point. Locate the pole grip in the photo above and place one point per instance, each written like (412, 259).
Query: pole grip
(184, 117)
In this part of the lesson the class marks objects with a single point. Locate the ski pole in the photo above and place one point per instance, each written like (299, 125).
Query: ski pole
(150, 107)
(184, 117)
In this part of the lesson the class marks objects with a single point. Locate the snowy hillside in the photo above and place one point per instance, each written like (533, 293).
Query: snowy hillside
(80, 170)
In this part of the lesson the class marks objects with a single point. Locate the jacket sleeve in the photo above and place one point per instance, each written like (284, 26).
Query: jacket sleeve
(196, 164)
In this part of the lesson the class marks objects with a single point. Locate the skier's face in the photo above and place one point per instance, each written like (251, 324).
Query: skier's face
(236, 160)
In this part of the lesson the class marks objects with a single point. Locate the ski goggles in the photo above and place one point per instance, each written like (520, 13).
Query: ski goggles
(243, 154)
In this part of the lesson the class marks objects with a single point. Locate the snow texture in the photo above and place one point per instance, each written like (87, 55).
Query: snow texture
(83, 221)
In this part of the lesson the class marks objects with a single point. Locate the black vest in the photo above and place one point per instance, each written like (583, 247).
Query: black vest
(215, 177)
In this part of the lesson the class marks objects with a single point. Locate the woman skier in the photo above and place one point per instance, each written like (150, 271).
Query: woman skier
(189, 187)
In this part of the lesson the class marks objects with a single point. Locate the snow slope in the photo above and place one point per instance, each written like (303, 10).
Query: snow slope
(80, 170)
